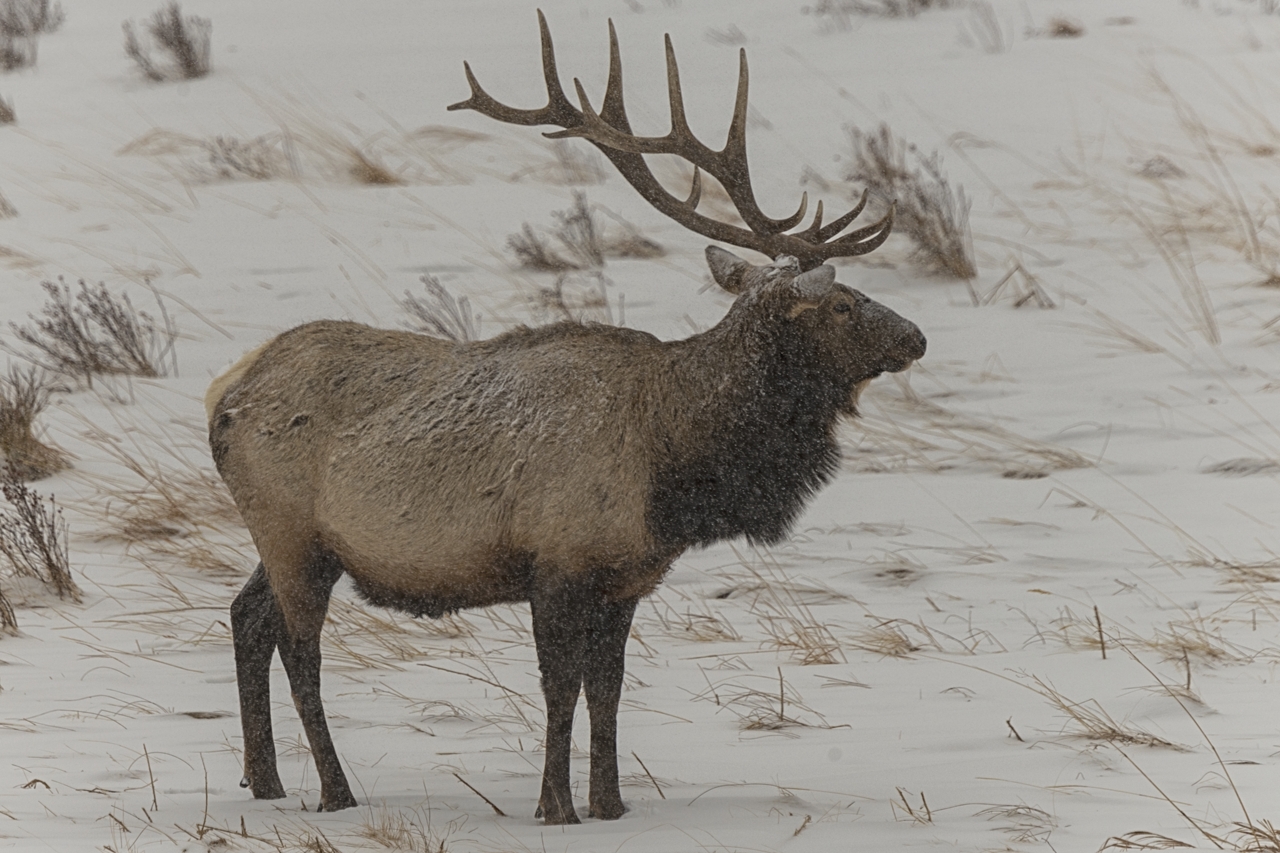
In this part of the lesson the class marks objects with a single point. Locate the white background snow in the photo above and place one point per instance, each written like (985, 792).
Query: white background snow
(1040, 462)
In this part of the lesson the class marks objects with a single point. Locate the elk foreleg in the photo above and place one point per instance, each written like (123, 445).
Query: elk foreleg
(561, 623)
(602, 682)
(256, 627)
(300, 651)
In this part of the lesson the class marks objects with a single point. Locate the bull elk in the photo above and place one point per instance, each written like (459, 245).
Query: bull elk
(567, 466)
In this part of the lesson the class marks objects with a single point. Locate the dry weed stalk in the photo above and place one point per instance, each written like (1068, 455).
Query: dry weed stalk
(1093, 722)
(583, 238)
(410, 832)
(33, 537)
(1141, 840)
(22, 22)
(94, 333)
(24, 394)
(929, 212)
(837, 15)
(985, 29)
(186, 40)
(440, 315)
(899, 429)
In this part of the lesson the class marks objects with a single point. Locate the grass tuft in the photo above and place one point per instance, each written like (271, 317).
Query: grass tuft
(94, 333)
(185, 40)
(33, 537)
(24, 394)
(440, 315)
(929, 212)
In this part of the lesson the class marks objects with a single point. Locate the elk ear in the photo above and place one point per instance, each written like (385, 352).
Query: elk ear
(810, 288)
(729, 270)
(816, 283)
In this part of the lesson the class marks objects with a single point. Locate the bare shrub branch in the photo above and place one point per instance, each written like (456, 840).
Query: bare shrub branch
(24, 394)
(33, 537)
(929, 212)
(584, 239)
(440, 315)
(22, 18)
(95, 333)
(186, 40)
(837, 14)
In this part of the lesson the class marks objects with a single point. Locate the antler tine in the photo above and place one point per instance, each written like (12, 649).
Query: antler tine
(613, 109)
(695, 191)
(680, 132)
(558, 109)
(861, 241)
(838, 225)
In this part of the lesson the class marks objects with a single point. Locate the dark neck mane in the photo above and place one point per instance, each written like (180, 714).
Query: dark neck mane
(760, 443)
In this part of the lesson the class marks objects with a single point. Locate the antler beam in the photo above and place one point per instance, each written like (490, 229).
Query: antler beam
(610, 131)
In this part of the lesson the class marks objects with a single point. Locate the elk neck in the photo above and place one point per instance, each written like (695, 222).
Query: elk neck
(746, 431)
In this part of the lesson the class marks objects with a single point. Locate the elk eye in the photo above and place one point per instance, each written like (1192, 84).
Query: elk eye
(843, 308)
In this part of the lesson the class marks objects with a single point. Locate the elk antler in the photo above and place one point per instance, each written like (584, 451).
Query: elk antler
(610, 131)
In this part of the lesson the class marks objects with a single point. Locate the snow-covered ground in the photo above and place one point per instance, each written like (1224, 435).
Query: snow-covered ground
(919, 665)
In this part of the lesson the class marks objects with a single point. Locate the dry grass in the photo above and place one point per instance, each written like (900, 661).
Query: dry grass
(33, 538)
(24, 394)
(94, 333)
(1089, 720)
(929, 212)
(838, 15)
(7, 115)
(7, 210)
(185, 41)
(584, 239)
(777, 708)
(900, 430)
(440, 315)
(984, 29)
(22, 22)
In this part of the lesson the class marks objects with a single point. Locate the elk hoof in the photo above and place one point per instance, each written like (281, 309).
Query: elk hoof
(557, 816)
(336, 804)
(270, 790)
(611, 810)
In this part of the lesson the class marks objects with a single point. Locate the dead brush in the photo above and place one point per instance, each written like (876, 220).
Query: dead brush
(22, 22)
(837, 15)
(440, 314)
(33, 537)
(583, 238)
(24, 394)
(778, 709)
(1089, 720)
(406, 832)
(701, 626)
(791, 626)
(163, 507)
(7, 115)
(899, 429)
(932, 215)
(578, 297)
(94, 333)
(186, 41)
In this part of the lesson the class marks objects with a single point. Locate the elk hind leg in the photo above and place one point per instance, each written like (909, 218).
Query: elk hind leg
(256, 627)
(604, 661)
(300, 652)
